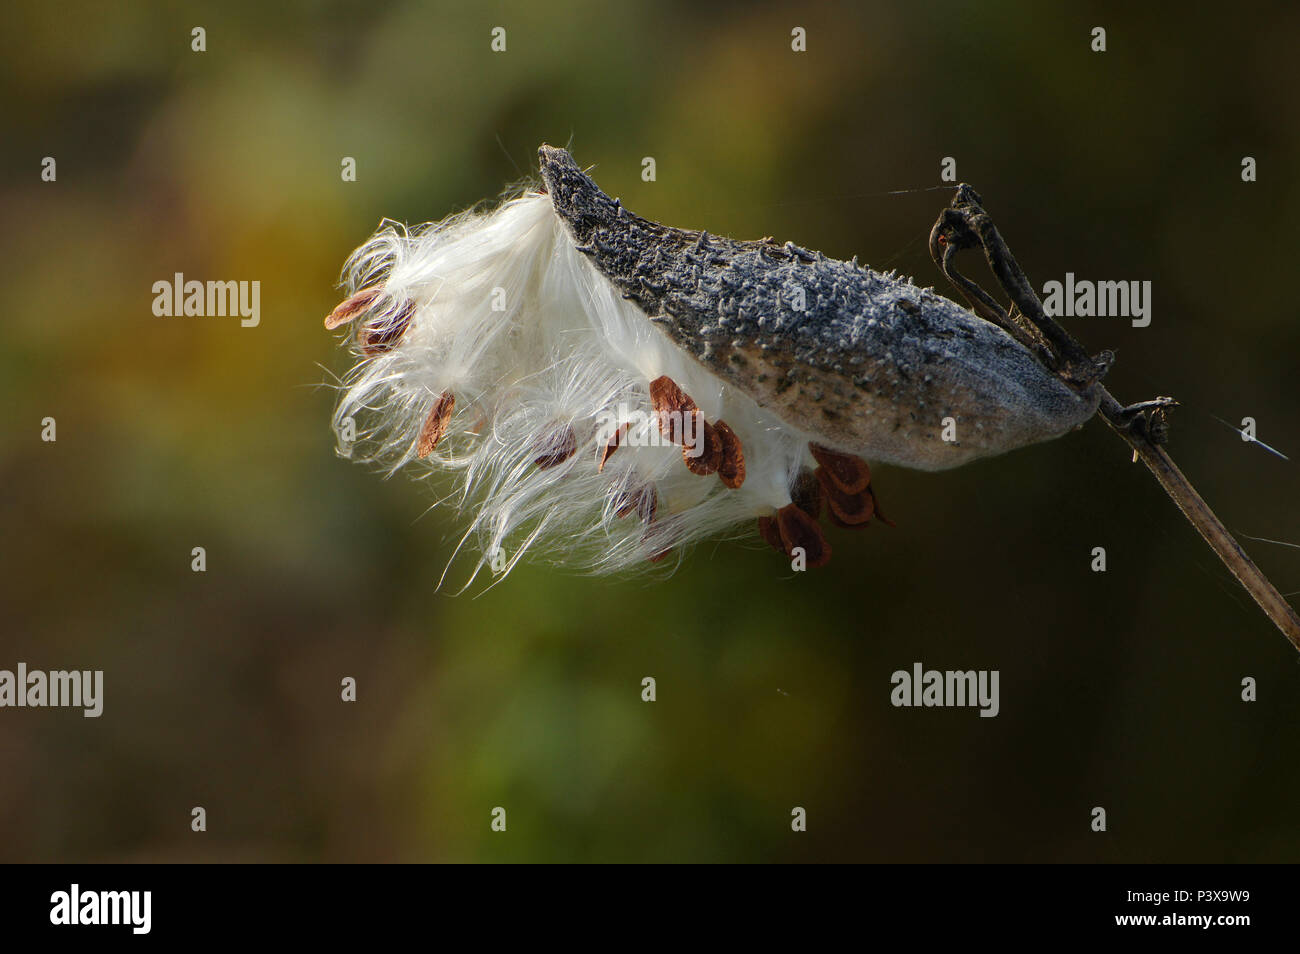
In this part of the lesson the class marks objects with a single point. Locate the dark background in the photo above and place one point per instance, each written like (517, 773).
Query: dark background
(1118, 689)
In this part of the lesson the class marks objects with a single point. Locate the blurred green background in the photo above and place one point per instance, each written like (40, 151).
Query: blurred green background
(1118, 689)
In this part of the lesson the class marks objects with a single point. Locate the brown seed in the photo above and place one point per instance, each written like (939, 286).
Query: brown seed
(643, 501)
(557, 448)
(800, 530)
(612, 446)
(846, 510)
(710, 447)
(349, 309)
(807, 493)
(769, 531)
(844, 524)
(435, 425)
(672, 406)
(850, 474)
(648, 506)
(656, 557)
(378, 340)
(731, 471)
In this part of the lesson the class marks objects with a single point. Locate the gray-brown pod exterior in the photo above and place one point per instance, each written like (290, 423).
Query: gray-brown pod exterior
(869, 362)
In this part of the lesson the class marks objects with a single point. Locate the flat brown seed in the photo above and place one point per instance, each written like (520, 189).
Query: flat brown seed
(846, 510)
(850, 474)
(731, 471)
(435, 425)
(806, 493)
(800, 530)
(557, 448)
(612, 446)
(378, 340)
(844, 524)
(768, 530)
(648, 506)
(644, 502)
(672, 406)
(350, 308)
(710, 456)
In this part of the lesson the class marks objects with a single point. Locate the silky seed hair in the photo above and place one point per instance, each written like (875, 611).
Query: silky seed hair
(511, 348)
(608, 391)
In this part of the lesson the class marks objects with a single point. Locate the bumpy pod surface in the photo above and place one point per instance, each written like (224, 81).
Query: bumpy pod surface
(869, 361)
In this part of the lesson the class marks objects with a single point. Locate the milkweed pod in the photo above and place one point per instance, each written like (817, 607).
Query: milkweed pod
(604, 365)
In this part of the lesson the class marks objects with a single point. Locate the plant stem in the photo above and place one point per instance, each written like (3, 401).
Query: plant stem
(1207, 523)
(965, 224)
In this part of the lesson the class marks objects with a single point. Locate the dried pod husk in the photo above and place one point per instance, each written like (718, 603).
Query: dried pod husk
(869, 361)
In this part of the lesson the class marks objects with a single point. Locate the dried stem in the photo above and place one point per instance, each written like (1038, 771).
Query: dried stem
(1207, 523)
(965, 224)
